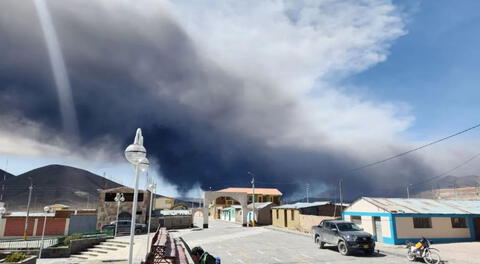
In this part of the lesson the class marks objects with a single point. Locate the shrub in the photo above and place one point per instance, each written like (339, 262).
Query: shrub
(16, 257)
(71, 237)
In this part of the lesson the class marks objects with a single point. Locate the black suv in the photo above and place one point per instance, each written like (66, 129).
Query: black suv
(124, 227)
(347, 236)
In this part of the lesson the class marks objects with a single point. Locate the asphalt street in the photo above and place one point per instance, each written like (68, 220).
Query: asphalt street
(236, 244)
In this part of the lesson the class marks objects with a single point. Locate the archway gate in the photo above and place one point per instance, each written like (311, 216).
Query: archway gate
(209, 196)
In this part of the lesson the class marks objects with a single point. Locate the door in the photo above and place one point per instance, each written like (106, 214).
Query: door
(476, 224)
(329, 236)
(285, 217)
(377, 222)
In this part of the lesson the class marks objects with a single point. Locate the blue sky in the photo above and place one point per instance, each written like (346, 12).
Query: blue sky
(434, 68)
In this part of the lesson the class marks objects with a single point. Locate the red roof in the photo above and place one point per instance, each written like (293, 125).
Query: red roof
(264, 191)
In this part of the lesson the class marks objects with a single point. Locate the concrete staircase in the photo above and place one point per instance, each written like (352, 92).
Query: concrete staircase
(101, 250)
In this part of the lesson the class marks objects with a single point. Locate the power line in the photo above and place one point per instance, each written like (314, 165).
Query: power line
(412, 150)
(449, 171)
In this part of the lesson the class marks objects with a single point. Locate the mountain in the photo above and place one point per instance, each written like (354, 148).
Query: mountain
(451, 181)
(55, 184)
(6, 174)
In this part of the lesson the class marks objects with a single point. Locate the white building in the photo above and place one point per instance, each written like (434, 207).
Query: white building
(396, 220)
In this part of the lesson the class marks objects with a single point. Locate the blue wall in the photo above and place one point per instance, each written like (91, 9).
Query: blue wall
(400, 241)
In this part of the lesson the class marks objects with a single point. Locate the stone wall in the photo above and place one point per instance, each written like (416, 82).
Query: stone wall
(56, 252)
(307, 221)
(107, 210)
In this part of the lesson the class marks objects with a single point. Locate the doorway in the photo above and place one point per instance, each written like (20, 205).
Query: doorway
(377, 226)
(476, 227)
(285, 217)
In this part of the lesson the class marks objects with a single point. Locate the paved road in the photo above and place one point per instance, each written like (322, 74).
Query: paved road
(236, 244)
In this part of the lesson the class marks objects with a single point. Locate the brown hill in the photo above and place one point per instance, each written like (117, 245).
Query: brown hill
(55, 184)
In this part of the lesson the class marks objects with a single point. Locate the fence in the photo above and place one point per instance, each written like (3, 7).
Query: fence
(29, 244)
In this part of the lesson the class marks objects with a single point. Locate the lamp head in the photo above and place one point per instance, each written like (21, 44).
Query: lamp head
(143, 164)
(46, 209)
(2, 210)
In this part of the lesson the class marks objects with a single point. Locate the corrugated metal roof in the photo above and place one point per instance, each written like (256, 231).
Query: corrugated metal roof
(259, 205)
(425, 206)
(301, 205)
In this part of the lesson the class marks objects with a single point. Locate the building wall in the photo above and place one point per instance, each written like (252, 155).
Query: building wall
(441, 228)
(15, 226)
(54, 226)
(307, 221)
(163, 203)
(291, 224)
(362, 205)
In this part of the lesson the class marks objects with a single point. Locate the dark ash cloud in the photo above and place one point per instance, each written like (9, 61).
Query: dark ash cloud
(130, 70)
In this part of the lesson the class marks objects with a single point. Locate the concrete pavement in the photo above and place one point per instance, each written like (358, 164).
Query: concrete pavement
(236, 244)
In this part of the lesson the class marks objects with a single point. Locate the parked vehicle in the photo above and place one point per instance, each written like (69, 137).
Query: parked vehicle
(124, 227)
(422, 249)
(347, 236)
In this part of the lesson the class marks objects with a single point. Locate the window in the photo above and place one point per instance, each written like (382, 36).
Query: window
(422, 222)
(356, 219)
(292, 212)
(459, 222)
(277, 213)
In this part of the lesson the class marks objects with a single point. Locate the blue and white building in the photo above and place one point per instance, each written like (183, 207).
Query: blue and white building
(397, 220)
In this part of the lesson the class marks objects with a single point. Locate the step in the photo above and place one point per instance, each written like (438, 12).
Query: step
(118, 242)
(104, 247)
(94, 250)
(78, 257)
(108, 244)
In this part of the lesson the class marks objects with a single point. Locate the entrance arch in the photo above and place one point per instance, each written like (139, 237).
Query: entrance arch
(209, 196)
(124, 216)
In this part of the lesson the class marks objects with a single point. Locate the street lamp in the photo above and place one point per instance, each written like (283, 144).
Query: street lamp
(118, 198)
(136, 155)
(152, 188)
(46, 209)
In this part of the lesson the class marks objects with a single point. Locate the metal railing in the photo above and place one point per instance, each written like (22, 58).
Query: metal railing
(29, 244)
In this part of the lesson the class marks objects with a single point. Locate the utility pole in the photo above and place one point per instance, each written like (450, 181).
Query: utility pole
(4, 179)
(308, 187)
(30, 188)
(341, 195)
(253, 198)
(408, 191)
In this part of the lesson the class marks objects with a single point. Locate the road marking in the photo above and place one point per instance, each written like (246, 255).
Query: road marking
(241, 261)
(261, 252)
(228, 253)
(307, 256)
(276, 259)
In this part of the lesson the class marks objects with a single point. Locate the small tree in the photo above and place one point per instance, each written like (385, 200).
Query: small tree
(180, 206)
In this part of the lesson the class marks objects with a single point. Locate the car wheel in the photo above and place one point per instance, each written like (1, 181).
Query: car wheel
(342, 248)
(320, 243)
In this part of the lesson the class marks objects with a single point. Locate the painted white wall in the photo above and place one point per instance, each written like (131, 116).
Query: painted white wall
(3, 221)
(362, 205)
(441, 228)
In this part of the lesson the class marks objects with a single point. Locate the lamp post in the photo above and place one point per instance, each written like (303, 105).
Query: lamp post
(253, 198)
(46, 209)
(152, 188)
(2, 211)
(30, 188)
(136, 155)
(118, 198)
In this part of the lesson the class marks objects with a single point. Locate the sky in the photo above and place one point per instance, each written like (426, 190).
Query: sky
(295, 92)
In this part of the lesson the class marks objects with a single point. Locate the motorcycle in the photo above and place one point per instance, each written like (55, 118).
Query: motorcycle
(423, 250)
